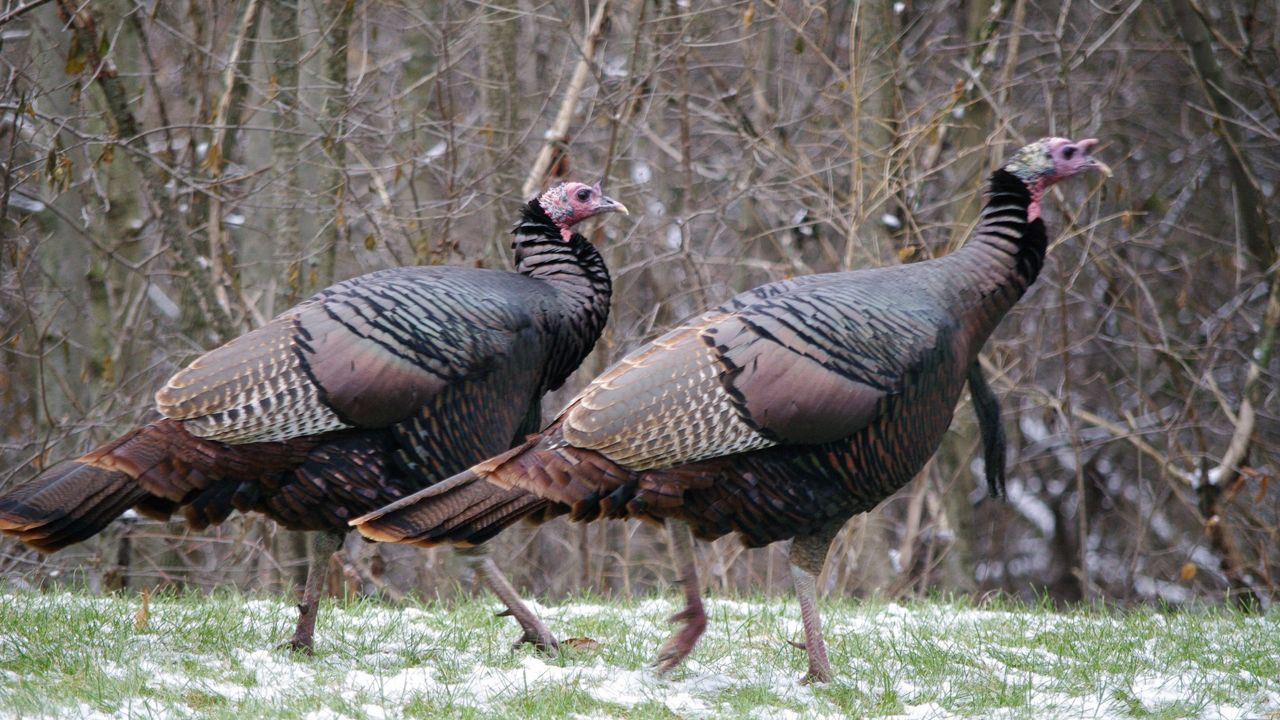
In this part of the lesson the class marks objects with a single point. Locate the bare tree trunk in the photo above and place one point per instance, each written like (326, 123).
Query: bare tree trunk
(199, 310)
(284, 57)
(1250, 204)
(975, 151)
(1254, 227)
(337, 19)
(501, 93)
(226, 123)
(559, 131)
(873, 83)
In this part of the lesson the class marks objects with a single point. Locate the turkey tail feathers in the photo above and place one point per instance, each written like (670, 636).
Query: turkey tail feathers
(463, 478)
(463, 510)
(70, 503)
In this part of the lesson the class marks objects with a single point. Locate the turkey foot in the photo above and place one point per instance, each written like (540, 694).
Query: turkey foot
(302, 641)
(681, 643)
(807, 555)
(535, 633)
(321, 547)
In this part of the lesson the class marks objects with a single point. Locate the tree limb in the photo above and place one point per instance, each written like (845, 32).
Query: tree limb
(1250, 205)
(19, 11)
(227, 115)
(559, 131)
(1250, 209)
(198, 310)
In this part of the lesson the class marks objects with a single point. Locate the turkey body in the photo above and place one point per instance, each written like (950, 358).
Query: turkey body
(388, 382)
(781, 413)
(371, 389)
(778, 414)
(840, 386)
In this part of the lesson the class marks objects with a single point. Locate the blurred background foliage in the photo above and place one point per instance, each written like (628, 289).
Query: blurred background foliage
(176, 172)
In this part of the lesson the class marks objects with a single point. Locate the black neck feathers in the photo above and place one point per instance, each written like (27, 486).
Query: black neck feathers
(1005, 217)
(534, 220)
(576, 269)
(541, 249)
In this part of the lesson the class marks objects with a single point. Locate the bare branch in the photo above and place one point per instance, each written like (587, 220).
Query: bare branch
(558, 133)
(19, 11)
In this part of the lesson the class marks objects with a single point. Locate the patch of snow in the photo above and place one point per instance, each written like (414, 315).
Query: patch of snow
(325, 714)
(920, 712)
(1032, 509)
(378, 681)
(673, 238)
(1163, 589)
(432, 153)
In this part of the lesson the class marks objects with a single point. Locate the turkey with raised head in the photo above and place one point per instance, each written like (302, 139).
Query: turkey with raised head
(371, 389)
(778, 415)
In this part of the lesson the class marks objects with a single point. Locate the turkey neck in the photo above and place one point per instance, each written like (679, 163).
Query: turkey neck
(574, 268)
(1004, 256)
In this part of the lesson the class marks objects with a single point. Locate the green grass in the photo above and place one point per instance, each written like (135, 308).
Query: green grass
(75, 655)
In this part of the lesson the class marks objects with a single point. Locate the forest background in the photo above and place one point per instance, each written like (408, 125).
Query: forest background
(175, 173)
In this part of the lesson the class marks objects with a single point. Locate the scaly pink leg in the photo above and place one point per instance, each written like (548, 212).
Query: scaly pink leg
(321, 546)
(535, 633)
(819, 666)
(807, 556)
(681, 643)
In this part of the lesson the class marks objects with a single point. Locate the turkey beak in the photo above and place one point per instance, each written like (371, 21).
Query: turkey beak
(1090, 161)
(608, 204)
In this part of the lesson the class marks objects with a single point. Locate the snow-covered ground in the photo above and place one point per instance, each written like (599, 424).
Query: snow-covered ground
(72, 656)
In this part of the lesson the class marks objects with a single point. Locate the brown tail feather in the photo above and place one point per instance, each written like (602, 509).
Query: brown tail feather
(539, 476)
(523, 505)
(76, 500)
(462, 480)
(72, 502)
(464, 509)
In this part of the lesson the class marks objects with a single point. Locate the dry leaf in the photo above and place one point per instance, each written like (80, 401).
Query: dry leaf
(581, 643)
(144, 612)
(77, 58)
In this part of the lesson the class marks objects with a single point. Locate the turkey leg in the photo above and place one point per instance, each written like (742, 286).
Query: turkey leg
(680, 644)
(535, 633)
(320, 549)
(807, 557)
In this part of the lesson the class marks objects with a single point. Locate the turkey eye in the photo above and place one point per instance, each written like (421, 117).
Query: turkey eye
(584, 194)
(1069, 152)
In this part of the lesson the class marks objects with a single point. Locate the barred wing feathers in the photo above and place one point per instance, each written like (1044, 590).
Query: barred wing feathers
(356, 355)
(661, 405)
(815, 364)
(802, 363)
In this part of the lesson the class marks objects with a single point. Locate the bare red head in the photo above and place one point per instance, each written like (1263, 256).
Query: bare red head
(570, 203)
(1050, 160)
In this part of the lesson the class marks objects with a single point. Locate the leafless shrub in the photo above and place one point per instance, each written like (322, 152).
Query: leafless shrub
(174, 173)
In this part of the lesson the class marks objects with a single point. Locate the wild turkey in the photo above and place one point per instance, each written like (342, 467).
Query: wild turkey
(373, 388)
(779, 414)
